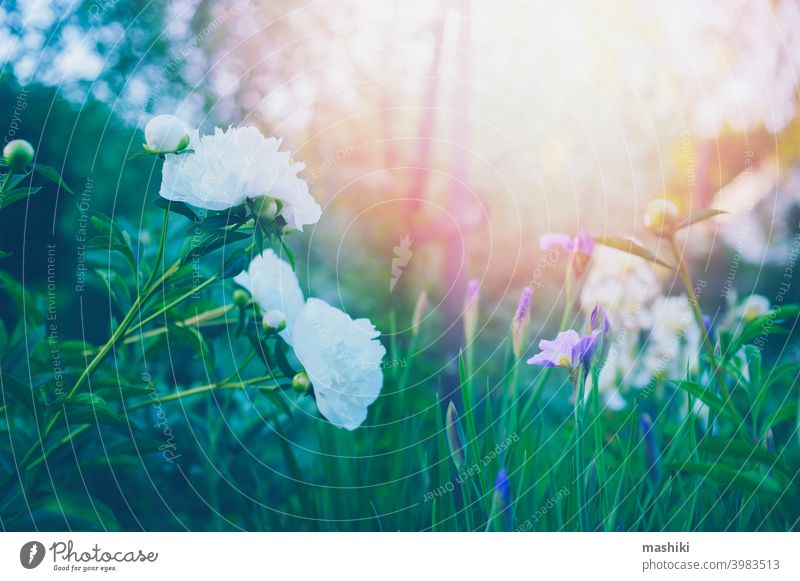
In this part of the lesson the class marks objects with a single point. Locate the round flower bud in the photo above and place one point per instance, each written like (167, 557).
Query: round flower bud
(166, 134)
(240, 298)
(274, 320)
(300, 382)
(266, 208)
(18, 154)
(660, 215)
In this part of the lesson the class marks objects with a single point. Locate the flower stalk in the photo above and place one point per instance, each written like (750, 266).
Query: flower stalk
(144, 294)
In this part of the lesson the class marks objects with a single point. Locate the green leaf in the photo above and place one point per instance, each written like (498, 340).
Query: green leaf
(13, 388)
(774, 377)
(178, 207)
(765, 325)
(288, 252)
(209, 242)
(630, 247)
(744, 481)
(116, 288)
(15, 181)
(51, 174)
(14, 196)
(725, 449)
(112, 238)
(101, 225)
(235, 263)
(89, 408)
(785, 413)
(708, 397)
(79, 511)
(700, 216)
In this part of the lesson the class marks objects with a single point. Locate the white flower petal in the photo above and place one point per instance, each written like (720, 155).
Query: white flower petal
(342, 357)
(231, 166)
(165, 133)
(274, 286)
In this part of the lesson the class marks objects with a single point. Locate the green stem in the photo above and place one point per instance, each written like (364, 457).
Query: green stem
(194, 391)
(579, 461)
(598, 442)
(686, 279)
(203, 317)
(211, 387)
(544, 375)
(151, 284)
(172, 304)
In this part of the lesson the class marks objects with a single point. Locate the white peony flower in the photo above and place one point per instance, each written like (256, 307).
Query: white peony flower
(273, 285)
(231, 166)
(623, 285)
(166, 134)
(342, 358)
(673, 346)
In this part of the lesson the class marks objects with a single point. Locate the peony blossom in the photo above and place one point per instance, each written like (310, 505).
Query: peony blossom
(624, 285)
(230, 167)
(166, 134)
(342, 358)
(274, 286)
(674, 342)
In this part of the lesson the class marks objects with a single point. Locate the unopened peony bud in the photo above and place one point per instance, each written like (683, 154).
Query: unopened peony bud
(240, 298)
(18, 154)
(166, 134)
(266, 208)
(300, 382)
(274, 320)
(660, 215)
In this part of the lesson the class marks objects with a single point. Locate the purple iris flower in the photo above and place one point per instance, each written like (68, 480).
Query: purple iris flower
(524, 305)
(580, 247)
(651, 451)
(568, 350)
(473, 290)
(599, 322)
(709, 325)
(522, 318)
(581, 244)
(503, 516)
